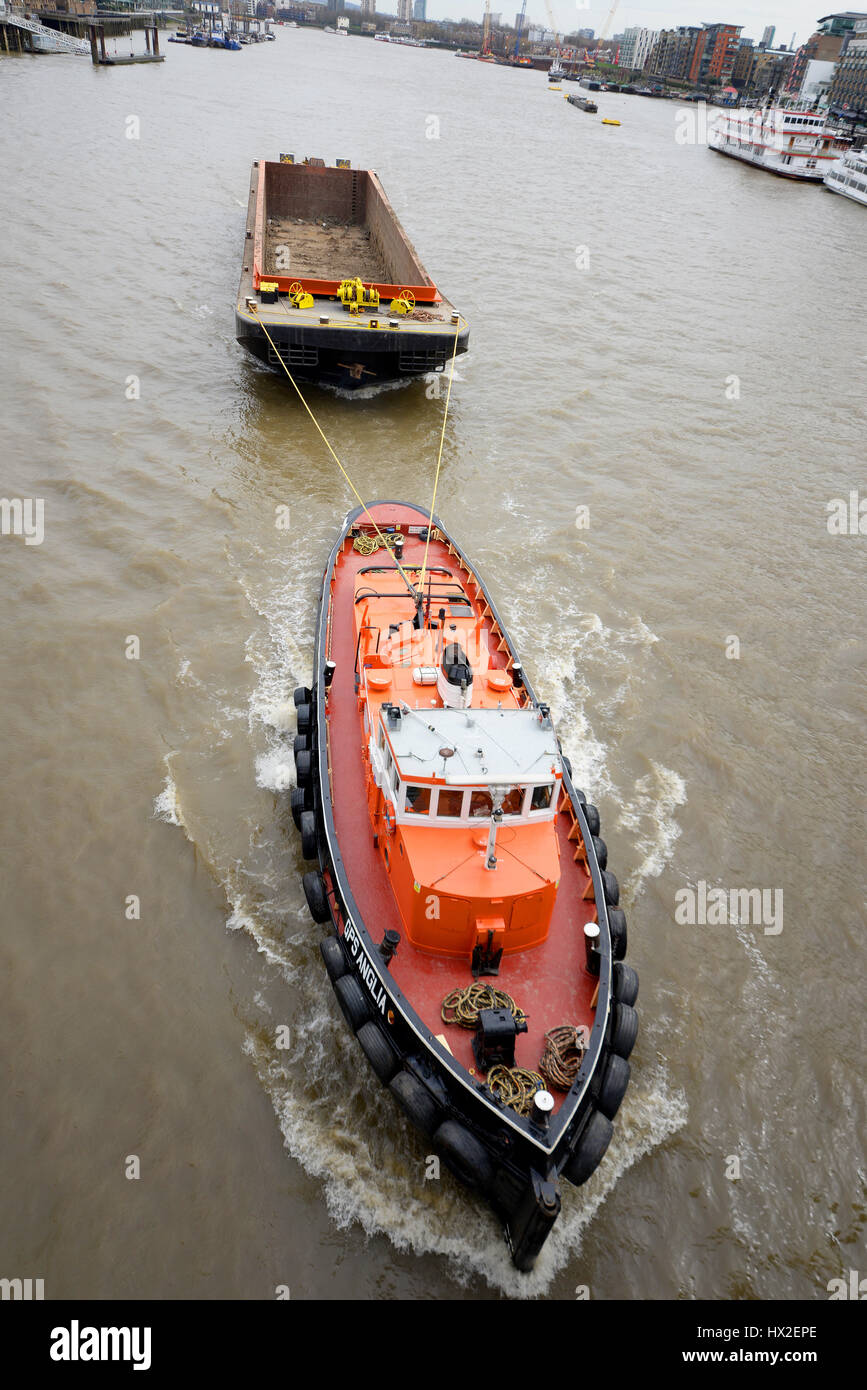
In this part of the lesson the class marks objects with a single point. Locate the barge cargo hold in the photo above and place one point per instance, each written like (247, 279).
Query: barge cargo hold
(331, 285)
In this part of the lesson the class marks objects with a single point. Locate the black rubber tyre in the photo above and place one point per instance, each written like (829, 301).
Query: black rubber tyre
(353, 1004)
(314, 891)
(625, 1030)
(302, 696)
(610, 887)
(625, 982)
(303, 718)
(378, 1051)
(303, 768)
(309, 837)
(615, 1080)
(601, 851)
(299, 800)
(590, 1149)
(464, 1156)
(617, 924)
(332, 953)
(416, 1101)
(592, 816)
(300, 746)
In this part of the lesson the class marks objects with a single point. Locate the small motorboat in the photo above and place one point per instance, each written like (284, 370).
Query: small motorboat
(475, 942)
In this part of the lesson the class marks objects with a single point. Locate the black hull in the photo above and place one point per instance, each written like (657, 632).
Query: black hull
(504, 1158)
(349, 360)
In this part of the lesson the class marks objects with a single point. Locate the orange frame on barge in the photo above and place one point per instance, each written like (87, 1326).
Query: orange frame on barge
(453, 845)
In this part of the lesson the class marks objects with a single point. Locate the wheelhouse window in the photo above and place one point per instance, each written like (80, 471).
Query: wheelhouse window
(451, 800)
(540, 799)
(418, 800)
(513, 801)
(390, 771)
(481, 804)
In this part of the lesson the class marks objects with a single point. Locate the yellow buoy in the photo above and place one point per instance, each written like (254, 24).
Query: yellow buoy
(605, 121)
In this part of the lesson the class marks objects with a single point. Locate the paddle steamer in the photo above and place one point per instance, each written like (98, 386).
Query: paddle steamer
(794, 144)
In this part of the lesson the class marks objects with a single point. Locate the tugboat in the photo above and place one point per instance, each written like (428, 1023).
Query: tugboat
(476, 943)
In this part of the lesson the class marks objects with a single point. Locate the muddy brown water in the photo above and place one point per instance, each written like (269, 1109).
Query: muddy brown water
(663, 396)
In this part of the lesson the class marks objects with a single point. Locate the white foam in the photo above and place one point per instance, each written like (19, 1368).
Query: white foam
(346, 1131)
(275, 770)
(167, 806)
(649, 814)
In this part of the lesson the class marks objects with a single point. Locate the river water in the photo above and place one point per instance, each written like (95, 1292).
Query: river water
(665, 345)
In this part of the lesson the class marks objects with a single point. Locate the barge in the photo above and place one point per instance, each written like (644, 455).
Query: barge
(475, 940)
(331, 288)
(583, 104)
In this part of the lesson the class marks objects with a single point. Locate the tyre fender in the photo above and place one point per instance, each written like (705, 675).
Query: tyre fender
(378, 1051)
(416, 1101)
(615, 1079)
(625, 1030)
(590, 1149)
(464, 1156)
(353, 1004)
(332, 954)
(316, 896)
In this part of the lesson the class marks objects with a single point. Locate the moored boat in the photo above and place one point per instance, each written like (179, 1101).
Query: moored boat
(583, 104)
(331, 289)
(794, 144)
(476, 946)
(849, 176)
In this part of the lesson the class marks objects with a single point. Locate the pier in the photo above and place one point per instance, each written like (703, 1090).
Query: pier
(103, 59)
(69, 31)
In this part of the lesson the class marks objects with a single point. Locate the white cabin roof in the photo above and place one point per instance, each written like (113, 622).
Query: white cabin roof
(499, 747)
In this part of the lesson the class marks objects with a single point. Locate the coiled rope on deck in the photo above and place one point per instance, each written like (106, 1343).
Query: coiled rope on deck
(515, 1086)
(465, 1004)
(366, 545)
(562, 1056)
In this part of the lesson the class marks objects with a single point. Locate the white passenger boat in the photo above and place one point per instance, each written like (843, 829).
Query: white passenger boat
(849, 176)
(794, 144)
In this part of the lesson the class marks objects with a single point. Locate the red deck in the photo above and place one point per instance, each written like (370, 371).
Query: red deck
(549, 982)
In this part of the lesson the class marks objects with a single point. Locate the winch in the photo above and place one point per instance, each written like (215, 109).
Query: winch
(494, 1042)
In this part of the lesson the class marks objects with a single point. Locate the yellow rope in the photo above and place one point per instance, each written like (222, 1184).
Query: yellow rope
(254, 309)
(515, 1086)
(439, 456)
(463, 1005)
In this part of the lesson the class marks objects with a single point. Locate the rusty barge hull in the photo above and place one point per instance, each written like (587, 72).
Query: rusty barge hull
(314, 227)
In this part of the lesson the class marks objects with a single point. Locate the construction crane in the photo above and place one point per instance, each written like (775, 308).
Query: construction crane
(519, 29)
(553, 26)
(605, 32)
(486, 30)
